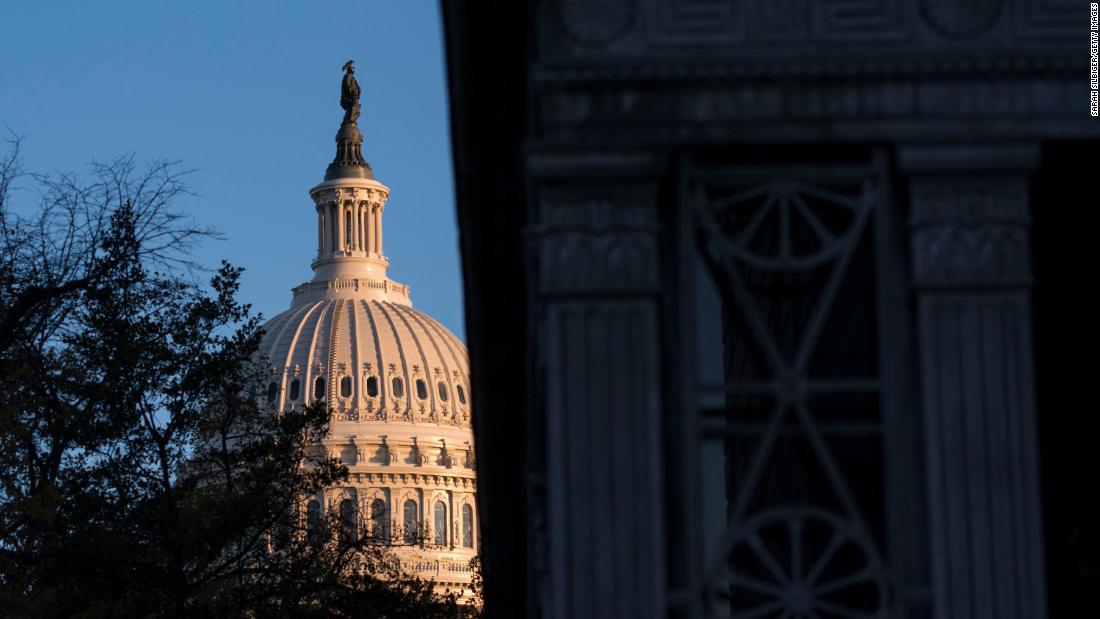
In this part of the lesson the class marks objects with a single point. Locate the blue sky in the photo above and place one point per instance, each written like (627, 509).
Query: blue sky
(247, 93)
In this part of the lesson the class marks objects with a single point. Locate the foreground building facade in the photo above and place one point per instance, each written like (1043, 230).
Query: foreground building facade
(787, 279)
(396, 380)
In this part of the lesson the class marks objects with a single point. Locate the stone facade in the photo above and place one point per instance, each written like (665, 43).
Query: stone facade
(777, 262)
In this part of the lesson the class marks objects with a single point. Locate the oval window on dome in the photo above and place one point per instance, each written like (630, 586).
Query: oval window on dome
(421, 389)
(442, 391)
(319, 388)
(398, 387)
(272, 391)
(295, 389)
(461, 394)
(372, 386)
(345, 387)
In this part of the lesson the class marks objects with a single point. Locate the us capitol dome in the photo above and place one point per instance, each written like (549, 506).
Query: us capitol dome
(396, 380)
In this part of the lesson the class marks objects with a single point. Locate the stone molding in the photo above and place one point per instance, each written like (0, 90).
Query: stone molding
(402, 453)
(594, 236)
(631, 28)
(970, 234)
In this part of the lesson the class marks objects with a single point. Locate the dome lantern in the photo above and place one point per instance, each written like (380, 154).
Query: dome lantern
(349, 204)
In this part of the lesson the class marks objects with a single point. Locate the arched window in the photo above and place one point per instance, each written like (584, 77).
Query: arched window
(409, 522)
(349, 519)
(315, 527)
(380, 521)
(440, 523)
(272, 391)
(442, 391)
(461, 394)
(319, 388)
(347, 233)
(372, 386)
(467, 526)
(295, 389)
(398, 387)
(421, 389)
(345, 387)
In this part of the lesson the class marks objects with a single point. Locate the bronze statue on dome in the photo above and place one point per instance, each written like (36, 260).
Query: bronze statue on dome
(349, 94)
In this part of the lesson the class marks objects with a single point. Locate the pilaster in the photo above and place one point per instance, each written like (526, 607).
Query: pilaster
(970, 258)
(597, 523)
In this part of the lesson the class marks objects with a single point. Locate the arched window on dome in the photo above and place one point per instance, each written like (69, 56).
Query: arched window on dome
(461, 394)
(272, 392)
(467, 526)
(409, 522)
(372, 386)
(349, 520)
(398, 387)
(380, 521)
(440, 523)
(421, 389)
(295, 389)
(315, 526)
(442, 391)
(319, 388)
(345, 387)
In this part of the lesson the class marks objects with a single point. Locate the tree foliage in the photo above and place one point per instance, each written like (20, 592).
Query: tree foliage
(140, 474)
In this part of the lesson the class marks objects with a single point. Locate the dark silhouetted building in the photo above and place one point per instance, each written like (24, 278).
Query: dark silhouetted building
(763, 301)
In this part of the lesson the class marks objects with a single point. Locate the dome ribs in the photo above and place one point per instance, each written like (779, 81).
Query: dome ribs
(354, 370)
(383, 388)
(400, 355)
(292, 317)
(428, 326)
(333, 342)
(326, 306)
(357, 338)
(432, 404)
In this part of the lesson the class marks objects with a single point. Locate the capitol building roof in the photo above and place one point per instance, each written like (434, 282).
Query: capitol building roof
(397, 381)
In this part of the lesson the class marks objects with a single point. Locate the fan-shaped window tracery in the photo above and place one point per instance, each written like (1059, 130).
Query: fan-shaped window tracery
(398, 387)
(421, 389)
(442, 391)
(345, 387)
(372, 386)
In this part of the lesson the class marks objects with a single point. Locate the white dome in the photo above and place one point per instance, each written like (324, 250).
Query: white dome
(396, 380)
(373, 360)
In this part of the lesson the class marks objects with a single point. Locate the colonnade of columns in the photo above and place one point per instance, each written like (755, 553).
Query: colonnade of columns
(350, 227)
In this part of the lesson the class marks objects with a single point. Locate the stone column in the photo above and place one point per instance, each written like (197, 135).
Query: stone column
(377, 213)
(971, 271)
(596, 523)
(334, 226)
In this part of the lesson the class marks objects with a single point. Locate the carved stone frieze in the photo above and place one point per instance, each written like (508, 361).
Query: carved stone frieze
(970, 233)
(961, 19)
(595, 22)
(596, 238)
(897, 29)
(730, 107)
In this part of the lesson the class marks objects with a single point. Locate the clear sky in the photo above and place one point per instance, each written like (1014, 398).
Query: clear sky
(248, 94)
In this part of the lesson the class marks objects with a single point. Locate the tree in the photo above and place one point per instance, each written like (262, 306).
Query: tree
(140, 473)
